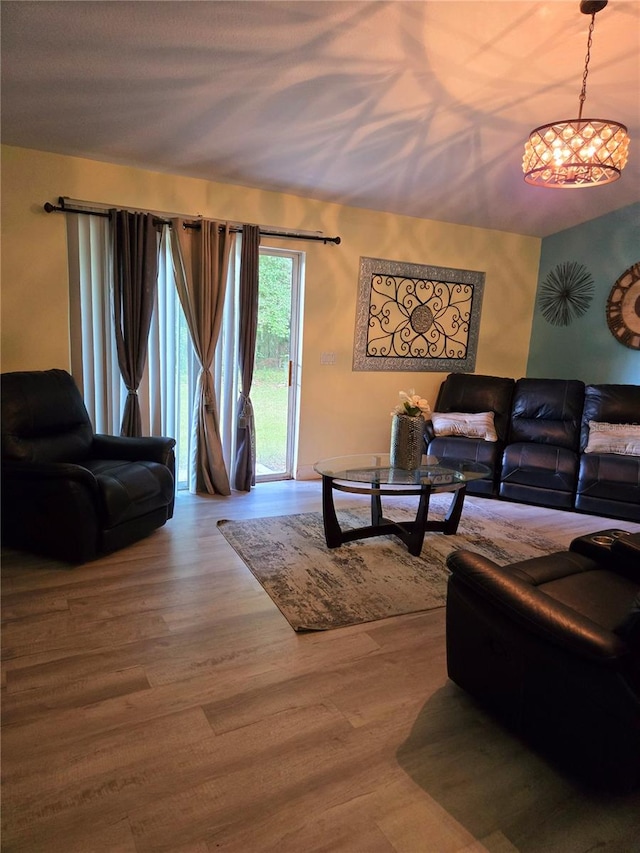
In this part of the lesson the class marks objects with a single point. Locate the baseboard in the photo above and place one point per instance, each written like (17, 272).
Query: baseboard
(307, 472)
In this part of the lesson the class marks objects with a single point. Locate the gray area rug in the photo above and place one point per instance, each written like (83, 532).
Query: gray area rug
(317, 588)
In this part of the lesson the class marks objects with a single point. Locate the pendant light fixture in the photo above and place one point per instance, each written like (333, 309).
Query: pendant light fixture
(577, 152)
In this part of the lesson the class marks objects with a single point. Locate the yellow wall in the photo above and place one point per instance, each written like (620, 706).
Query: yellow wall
(341, 411)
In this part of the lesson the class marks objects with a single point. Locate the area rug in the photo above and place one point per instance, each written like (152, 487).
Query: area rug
(317, 588)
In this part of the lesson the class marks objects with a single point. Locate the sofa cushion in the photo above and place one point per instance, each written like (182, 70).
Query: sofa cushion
(461, 449)
(547, 411)
(480, 425)
(466, 449)
(599, 595)
(610, 476)
(540, 465)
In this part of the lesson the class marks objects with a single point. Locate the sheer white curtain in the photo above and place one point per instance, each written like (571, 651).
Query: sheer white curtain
(94, 360)
(168, 387)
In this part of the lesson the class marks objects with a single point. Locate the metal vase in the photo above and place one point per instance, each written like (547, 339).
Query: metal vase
(407, 441)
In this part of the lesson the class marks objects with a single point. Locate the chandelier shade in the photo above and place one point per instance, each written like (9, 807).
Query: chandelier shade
(577, 152)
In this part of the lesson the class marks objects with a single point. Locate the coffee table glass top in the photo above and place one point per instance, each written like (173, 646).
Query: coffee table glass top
(376, 468)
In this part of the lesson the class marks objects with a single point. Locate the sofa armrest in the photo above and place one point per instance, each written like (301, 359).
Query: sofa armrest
(532, 609)
(148, 448)
(617, 550)
(429, 432)
(628, 547)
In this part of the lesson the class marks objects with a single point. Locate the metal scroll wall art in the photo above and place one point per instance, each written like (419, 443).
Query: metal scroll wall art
(416, 317)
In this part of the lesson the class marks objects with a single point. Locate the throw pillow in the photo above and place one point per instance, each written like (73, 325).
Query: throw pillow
(479, 425)
(613, 438)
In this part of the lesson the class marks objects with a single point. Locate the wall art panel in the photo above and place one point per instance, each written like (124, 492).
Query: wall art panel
(416, 317)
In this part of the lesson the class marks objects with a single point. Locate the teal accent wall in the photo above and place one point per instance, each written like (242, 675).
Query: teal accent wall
(586, 349)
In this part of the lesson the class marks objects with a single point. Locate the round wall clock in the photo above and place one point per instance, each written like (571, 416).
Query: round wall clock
(623, 308)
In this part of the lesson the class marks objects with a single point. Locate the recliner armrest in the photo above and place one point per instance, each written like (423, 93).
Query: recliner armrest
(538, 613)
(148, 448)
(48, 471)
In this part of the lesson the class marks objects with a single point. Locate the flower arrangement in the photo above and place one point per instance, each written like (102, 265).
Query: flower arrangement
(411, 404)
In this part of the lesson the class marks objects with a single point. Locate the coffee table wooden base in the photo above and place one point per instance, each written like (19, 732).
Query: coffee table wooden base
(410, 532)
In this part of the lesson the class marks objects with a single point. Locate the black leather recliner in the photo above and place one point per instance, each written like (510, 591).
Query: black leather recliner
(540, 463)
(551, 646)
(66, 492)
(471, 394)
(609, 483)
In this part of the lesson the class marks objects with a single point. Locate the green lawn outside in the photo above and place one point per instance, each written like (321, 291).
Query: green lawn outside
(269, 395)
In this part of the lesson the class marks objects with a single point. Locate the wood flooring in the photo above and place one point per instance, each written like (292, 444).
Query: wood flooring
(157, 700)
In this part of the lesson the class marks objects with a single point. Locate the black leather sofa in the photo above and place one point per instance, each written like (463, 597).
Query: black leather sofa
(551, 646)
(542, 426)
(66, 492)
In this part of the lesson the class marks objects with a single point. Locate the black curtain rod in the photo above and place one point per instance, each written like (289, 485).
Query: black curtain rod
(292, 235)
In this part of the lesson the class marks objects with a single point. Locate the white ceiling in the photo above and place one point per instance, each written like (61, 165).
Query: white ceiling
(417, 108)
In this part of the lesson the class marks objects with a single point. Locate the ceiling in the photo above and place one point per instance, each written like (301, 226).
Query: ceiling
(416, 108)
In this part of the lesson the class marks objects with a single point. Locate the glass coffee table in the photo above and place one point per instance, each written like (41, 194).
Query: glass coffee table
(372, 474)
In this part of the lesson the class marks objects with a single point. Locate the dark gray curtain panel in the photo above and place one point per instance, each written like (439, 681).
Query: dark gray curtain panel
(249, 274)
(135, 277)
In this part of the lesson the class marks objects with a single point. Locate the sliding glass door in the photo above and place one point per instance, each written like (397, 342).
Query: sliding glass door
(275, 379)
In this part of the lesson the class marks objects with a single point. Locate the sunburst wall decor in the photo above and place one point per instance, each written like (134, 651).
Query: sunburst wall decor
(566, 293)
(416, 317)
